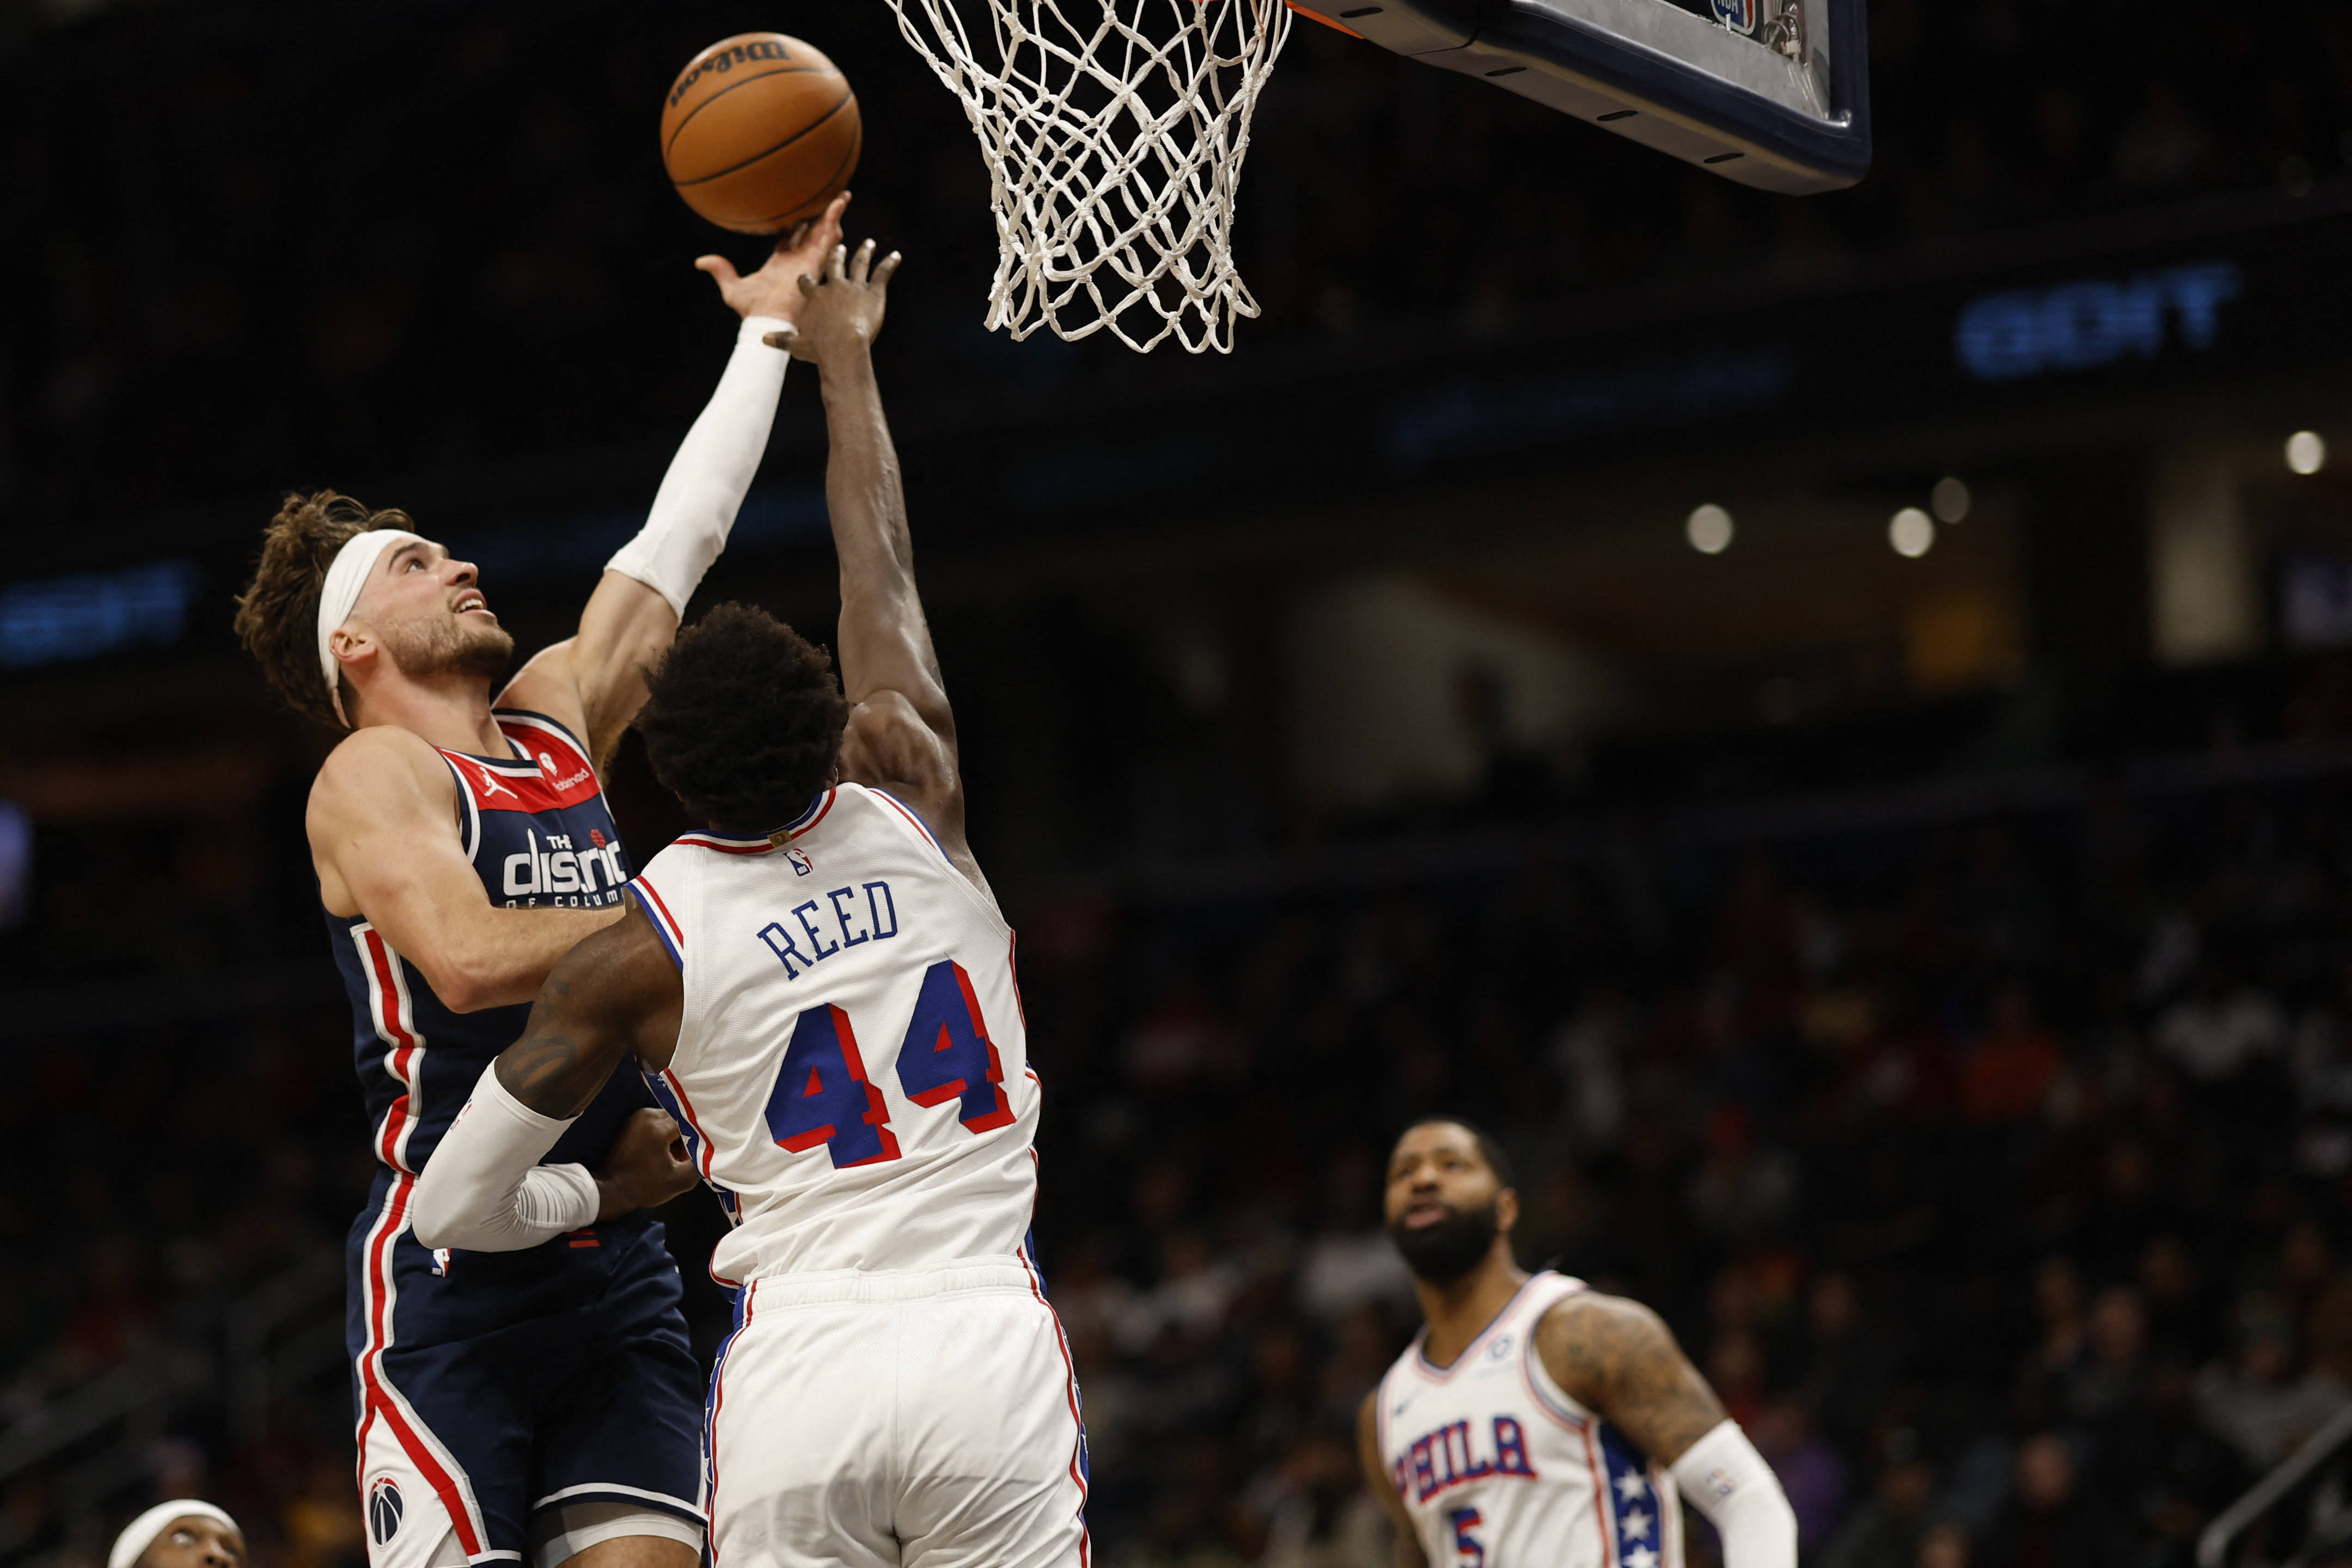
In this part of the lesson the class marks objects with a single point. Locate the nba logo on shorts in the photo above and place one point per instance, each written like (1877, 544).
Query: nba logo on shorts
(1740, 15)
(383, 1508)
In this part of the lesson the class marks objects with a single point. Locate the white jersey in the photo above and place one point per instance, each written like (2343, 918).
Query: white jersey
(852, 1069)
(1498, 1469)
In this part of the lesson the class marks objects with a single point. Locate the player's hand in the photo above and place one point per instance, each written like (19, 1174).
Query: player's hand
(844, 313)
(647, 1168)
(775, 289)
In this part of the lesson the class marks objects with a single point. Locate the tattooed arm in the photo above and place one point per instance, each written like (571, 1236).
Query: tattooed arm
(1616, 1358)
(484, 1188)
(615, 992)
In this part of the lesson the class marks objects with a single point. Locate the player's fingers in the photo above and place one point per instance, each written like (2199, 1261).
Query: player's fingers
(889, 265)
(826, 230)
(719, 267)
(861, 266)
(786, 338)
(790, 240)
(835, 262)
(808, 285)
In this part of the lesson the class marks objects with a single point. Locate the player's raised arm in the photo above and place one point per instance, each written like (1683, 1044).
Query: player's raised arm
(901, 732)
(485, 1190)
(1616, 1357)
(379, 826)
(598, 675)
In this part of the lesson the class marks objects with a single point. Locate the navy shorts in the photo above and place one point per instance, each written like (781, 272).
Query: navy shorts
(490, 1385)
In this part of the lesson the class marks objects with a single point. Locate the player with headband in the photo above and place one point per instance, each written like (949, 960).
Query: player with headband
(1534, 1419)
(539, 1403)
(820, 986)
(181, 1533)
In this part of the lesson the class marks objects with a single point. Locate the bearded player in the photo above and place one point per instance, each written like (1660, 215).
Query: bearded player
(1534, 1420)
(540, 1401)
(823, 987)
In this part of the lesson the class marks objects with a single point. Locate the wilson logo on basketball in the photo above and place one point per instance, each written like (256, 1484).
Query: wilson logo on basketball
(383, 1510)
(725, 60)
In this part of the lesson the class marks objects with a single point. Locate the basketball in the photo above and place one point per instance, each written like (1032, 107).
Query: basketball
(760, 131)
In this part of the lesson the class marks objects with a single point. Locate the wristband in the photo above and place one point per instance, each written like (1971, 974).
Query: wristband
(1724, 1478)
(484, 1189)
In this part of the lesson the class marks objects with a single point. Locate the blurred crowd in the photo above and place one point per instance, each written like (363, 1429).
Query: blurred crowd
(1996, 1173)
(1999, 1175)
(457, 244)
(162, 1188)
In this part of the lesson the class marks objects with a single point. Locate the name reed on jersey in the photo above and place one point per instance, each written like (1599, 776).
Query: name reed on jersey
(848, 917)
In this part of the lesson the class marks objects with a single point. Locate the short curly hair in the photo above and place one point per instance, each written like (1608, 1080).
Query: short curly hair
(277, 614)
(1490, 1147)
(744, 720)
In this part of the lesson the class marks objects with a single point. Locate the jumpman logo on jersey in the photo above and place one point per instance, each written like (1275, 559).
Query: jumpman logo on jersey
(491, 785)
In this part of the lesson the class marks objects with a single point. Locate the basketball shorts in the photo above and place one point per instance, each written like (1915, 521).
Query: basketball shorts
(509, 1417)
(927, 1419)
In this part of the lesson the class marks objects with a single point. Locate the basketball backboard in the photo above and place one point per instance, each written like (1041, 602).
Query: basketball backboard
(1772, 93)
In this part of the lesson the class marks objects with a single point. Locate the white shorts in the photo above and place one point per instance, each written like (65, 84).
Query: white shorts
(559, 1534)
(927, 1418)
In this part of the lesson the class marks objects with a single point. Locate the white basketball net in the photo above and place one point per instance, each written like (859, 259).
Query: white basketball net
(1114, 131)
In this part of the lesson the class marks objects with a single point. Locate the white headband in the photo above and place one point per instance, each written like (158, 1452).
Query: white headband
(345, 578)
(141, 1532)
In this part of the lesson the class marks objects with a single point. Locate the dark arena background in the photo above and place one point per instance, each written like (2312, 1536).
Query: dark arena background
(1910, 946)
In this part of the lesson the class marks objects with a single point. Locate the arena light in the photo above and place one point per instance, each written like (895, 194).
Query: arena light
(1912, 533)
(2089, 322)
(62, 619)
(2305, 452)
(1709, 528)
(16, 864)
(1949, 500)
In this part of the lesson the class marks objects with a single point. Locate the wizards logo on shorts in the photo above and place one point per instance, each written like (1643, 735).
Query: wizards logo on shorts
(383, 1510)
(1740, 15)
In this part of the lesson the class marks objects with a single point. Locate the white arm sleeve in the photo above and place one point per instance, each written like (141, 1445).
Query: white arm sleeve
(1724, 1478)
(712, 472)
(484, 1189)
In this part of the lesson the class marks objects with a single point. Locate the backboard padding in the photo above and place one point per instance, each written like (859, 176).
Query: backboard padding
(1653, 71)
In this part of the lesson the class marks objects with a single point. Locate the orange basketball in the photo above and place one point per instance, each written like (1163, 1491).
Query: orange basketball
(760, 131)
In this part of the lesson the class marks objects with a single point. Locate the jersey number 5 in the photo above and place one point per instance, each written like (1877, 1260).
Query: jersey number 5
(822, 1095)
(1469, 1552)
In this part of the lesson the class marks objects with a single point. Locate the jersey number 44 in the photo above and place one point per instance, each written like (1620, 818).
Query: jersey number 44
(822, 1095)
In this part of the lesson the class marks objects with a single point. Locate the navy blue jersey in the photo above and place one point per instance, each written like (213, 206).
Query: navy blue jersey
(538, 834)
(497, 1383)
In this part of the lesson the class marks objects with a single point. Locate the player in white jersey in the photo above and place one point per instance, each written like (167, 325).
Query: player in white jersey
(822, 992)
(1535, 1421)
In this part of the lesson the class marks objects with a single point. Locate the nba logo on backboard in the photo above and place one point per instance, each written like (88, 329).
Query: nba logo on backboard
(383, 1510)
(1740, 15)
